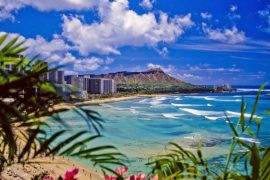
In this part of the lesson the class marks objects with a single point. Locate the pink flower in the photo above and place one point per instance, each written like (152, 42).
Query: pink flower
(137, 177)
(122, 171)
(70, 175)
(110, 177)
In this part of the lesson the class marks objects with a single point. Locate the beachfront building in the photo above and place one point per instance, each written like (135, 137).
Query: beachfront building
(96, 86)
(85, 81)
(101, 86)
(76, 81)
(53, 77)
(109, 86)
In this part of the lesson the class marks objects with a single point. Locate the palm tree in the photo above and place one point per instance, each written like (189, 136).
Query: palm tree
(25, 99)
(183, 164)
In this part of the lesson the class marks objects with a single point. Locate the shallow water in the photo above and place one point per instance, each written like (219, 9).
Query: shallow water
(141, 127)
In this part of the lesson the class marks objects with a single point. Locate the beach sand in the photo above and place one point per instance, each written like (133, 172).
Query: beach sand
(116, 99)
(55, 167)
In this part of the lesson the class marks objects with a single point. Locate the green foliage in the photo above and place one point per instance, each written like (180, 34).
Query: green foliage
(25, 99)
(152, 88)
(180, 163)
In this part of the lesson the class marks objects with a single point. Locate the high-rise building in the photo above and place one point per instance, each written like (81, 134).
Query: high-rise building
(85, 82)
(60, 77)
(101, 86)
(53, 76)
(95, 86)
(109, 86)
(76, 81)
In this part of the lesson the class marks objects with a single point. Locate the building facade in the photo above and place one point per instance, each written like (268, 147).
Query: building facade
(76, 81)
(101, 86)
(96, 86)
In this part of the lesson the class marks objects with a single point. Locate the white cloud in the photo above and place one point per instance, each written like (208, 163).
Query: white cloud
(231, 36)
(9, 7)
(197, 68)
(163, 52)
(206, 15)
(148, 4)
(47, 49)
(119, 26)
(91, 64)
(233, 8)
(69, 72)
(232, 14)
(55, 50)
(188, 77)
(169, 69)
(265, 15)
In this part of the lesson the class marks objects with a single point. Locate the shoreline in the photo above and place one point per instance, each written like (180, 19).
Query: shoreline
(117, 99)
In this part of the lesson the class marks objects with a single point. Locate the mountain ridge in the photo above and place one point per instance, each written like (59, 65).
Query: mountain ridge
(154, 76)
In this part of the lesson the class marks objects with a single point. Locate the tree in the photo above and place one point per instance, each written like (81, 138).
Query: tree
(25, 99)
(255, 160)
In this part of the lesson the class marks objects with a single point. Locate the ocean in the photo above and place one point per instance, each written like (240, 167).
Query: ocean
(140, 128)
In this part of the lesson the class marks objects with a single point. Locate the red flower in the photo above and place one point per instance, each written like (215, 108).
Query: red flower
(137, 177)
(70, 175)
(122, 171)
(110, 177)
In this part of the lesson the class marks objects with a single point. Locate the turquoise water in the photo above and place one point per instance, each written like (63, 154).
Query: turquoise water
(141, 127)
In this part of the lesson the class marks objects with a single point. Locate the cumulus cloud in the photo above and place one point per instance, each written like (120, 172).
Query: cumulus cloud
(9, 7)
(53, 50)
(231, 36)
(48, 49)
(119, 26)
(169, 69)
(221, 69)
(265, 15)
(188, 77)
(148, 4)
(206, 15)
(233, 8)
(232, 14)
(163, 52)
(91, 64)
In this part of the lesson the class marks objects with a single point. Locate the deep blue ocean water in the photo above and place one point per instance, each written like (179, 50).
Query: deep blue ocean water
(141, 127)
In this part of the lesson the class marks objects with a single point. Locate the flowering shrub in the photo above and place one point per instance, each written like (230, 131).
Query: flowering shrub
(70, 175)
(122, 171)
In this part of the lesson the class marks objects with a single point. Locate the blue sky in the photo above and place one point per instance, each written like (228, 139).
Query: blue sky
(198, 41)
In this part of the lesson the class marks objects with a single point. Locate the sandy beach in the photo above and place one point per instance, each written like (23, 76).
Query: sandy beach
(56, 167)
(116, 99)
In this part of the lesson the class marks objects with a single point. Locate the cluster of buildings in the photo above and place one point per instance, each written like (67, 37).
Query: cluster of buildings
(224, 88)
(85, 83)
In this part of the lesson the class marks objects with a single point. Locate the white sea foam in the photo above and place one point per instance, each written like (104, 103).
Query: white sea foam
(213, 118)
(171, 115)
(249, 140)
(209, 105)
(154, 102)
(177, 99)
(237, 114)
(209, 98)
(185, 105)
(201, 112)
(134, 111)
(248, 90)
(143, 101)
(214, 98)
(160, 98)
